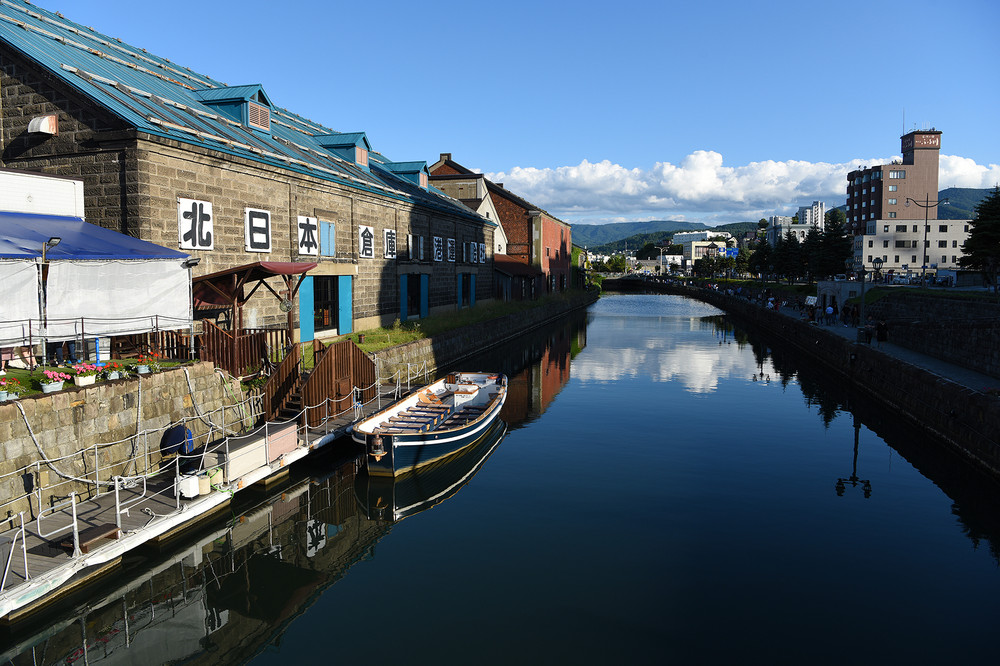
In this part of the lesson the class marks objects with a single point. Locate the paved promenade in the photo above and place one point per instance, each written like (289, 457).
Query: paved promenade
(956, 373)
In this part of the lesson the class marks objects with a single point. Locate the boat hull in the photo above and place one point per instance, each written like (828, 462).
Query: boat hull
(402, 453)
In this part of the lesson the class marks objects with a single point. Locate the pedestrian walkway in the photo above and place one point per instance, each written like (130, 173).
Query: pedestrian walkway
(956, 373)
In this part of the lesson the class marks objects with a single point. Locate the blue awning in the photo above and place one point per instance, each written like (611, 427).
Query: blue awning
(22, 235)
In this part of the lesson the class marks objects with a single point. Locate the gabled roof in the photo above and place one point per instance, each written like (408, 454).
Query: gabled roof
(344, 140)
(163, 99)
(22, 235)
(406, 167)
(233, 94)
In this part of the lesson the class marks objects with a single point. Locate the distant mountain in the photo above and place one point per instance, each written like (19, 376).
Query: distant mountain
(589, 235)
(961, 204)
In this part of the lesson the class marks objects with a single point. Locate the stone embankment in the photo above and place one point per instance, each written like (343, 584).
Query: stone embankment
(114, 426)
(966, 418)
(451, 347)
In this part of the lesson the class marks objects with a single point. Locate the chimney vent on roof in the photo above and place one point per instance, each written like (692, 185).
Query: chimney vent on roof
(445, 156)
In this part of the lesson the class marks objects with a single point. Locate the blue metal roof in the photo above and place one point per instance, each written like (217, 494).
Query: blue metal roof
(161, 98)
(406, 167)
(22, 235)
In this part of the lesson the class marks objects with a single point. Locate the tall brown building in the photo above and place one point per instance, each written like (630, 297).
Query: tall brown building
(880, 192)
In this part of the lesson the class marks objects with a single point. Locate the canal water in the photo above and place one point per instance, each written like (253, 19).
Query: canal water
(670, 488)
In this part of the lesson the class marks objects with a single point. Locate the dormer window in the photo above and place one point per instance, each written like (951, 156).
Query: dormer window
(423, 180)
(258, 116)
(247, 105)
(351, 146)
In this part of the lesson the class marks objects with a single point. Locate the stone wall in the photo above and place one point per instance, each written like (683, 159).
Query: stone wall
(453, 346)
(966, 333)
(965, 418)
(67, 426)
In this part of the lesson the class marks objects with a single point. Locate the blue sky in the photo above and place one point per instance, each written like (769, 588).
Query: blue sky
(598, 112)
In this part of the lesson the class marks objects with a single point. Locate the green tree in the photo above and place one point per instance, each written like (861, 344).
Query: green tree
(617, 263)
(788, 256)
(835, 216)
(812, 253)
(838, 247)
(762, 257)
(743, 260)
(762, 223)
(981, 250)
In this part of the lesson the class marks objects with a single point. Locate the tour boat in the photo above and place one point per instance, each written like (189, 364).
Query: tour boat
(432, 423)
(390, 498)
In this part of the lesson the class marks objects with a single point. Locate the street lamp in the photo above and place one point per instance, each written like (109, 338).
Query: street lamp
(926, 205)
(661, 248)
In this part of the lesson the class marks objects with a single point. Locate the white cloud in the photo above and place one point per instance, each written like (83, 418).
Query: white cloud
(702, 188)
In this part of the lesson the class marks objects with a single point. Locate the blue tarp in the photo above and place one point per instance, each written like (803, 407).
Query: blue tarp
(22, 235)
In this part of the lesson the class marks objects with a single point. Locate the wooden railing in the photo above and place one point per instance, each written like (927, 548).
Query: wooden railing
(239, 354)
(329, 390)
(282, 382)
(276, 341)
(171, 345)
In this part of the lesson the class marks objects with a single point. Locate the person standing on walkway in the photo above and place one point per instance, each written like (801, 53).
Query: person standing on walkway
(881, 333)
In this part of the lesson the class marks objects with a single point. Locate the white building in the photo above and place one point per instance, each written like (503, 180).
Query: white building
(809, 217)
(813, 215)
(688, 236)
(898, 243)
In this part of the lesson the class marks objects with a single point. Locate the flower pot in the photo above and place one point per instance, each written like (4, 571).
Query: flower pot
(142, 369)
(114, 375)
(51, 387)
(84, 381)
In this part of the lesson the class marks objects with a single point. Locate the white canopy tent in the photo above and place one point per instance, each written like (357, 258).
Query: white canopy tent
(94, 282)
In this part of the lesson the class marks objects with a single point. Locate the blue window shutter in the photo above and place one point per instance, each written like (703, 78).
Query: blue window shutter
(328, 239)
(472, 289)
(345, 307)
(425, 281)
(402, 298)
(307, 323)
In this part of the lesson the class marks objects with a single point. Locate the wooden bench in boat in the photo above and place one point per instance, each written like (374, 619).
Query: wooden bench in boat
(91, 535)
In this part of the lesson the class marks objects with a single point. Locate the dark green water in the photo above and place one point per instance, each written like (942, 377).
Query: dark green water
(671, 489)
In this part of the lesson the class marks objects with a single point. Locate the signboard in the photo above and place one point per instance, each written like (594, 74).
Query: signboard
(257, 230)
(366, 242)
(308, 236)
(194, 225)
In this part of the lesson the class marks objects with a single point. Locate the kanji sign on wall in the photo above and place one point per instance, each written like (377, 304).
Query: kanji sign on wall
(366, 242)
(438, 248)
(194, 225)
(308, 236)
(257, 230)
(389, 237)
(451, 249)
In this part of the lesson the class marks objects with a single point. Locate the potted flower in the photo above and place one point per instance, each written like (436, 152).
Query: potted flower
(113, 371)
(148, 363)
(10, 388)
(54, 381)
(86, 373)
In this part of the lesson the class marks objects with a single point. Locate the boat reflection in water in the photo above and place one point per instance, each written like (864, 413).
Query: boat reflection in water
(390, 499)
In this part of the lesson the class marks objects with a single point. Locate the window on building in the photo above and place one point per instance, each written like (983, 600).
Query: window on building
(892, 188)
(927, 228)
(897, 174)
(885, 257)
(954, 259)
(902, 243)
(885, 243)
(966, 229)
(885, 229)
(869, 258)
(895, 259)
(954, 243)
(943, 228)
(927, 243)
(892, 215)
(871, 243)
(913, 259)
(943, 243)
(900, 227)
(914, 228)
(944, 259)
(892, 202)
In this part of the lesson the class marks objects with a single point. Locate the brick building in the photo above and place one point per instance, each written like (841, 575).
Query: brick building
(533, 237)
(880, 192)
(174, 157)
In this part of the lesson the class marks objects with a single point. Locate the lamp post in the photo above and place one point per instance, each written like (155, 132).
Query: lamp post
(926, 205)
(661, 248)
(42, 295)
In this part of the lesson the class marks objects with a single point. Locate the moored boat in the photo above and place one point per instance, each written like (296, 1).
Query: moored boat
(432, 423)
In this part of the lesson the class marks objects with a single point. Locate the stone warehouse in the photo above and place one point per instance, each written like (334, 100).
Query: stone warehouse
(174, 157)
